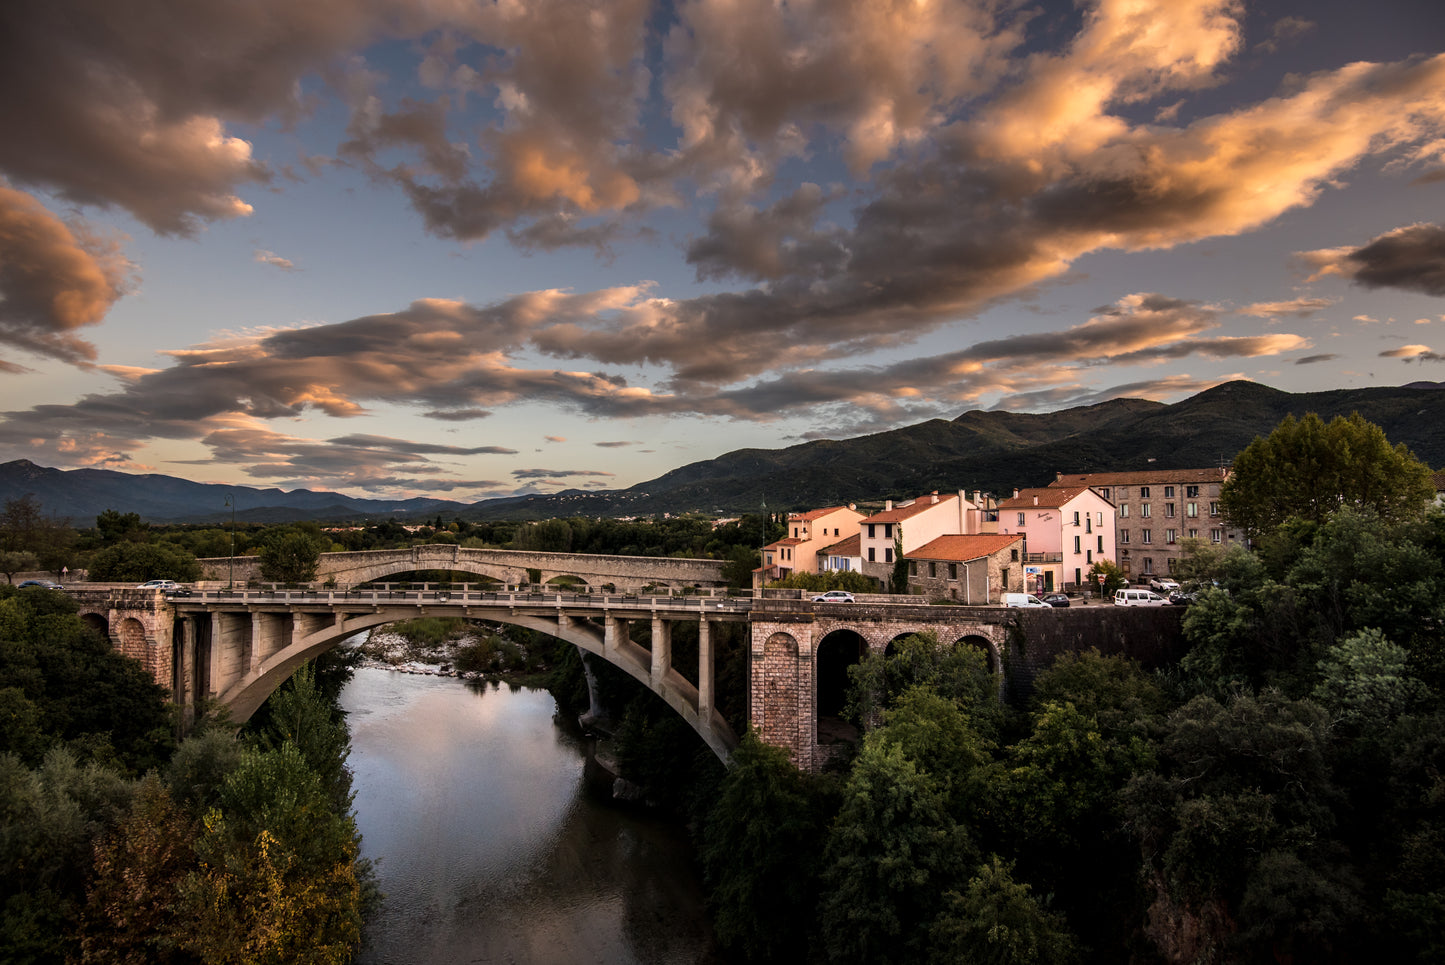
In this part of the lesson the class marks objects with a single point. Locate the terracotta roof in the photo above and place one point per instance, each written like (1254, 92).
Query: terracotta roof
(852, 546)
(1143, 477)
(900, 513)
(818, 513)
(1051, 497)
(786, 541)
(964, 548)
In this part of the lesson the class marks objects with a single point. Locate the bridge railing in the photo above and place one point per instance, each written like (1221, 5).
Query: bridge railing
(458, 594)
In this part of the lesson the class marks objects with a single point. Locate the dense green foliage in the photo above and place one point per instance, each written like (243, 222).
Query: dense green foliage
(117, 846)
(1307, 470)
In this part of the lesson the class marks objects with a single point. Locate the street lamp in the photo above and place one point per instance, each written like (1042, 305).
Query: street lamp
(231, 573)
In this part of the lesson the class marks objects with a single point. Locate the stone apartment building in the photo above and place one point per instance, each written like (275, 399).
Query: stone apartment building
(1156, 510)
(1068, 528)
(808, 533)
(974, 570)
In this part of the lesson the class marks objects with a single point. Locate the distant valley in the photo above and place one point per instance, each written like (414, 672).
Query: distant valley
(993, 451)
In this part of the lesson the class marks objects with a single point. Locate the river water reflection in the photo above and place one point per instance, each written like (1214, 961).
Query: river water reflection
(489, 846)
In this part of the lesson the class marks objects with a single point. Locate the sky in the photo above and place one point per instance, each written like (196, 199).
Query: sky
(472, 249)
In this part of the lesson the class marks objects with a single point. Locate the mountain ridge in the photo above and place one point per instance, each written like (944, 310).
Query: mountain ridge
(989, 450)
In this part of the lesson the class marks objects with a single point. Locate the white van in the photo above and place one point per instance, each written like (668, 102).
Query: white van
(1025, 600)
(1132, 597)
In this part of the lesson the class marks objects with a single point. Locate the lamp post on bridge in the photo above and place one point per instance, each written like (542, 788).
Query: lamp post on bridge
(231, 571)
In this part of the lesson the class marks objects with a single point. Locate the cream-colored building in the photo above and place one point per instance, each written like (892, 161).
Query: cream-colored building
(807, 534)
(1156, 510)
(907, 525)
(1068, 528)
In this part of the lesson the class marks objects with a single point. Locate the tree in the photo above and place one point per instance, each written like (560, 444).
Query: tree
(289, 556)
(127, 562)
(760, 853)
(996, 920)
(16, 561)
(114, 526)
(1113, 576)
(1307, 469)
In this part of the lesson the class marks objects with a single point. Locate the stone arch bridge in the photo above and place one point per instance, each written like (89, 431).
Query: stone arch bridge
(235, 646)
(508, 567)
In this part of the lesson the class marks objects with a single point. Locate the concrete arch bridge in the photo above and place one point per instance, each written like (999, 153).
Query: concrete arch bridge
(237, 646)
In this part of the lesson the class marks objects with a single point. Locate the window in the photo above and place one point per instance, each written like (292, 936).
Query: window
(1104, 492)
(1123, 510)
(912, 567)
(1021, 519)
(871, 557)
(1169, 535)
(1089, 556)
(1191, 492)
(795, 532)
(1144, 511)
(1101, 544)
(1146, 536)
(1148, 565)
(1013, 555)
(1123, 536)
(1168, 492)
(1191, 510)
(1194, 534)
(1123, 492)
(1216, 536)
(1214, 509)
(1169, 510)
(1101, 517)
(953, 571)
(1170, 562)
(1076, 544)
(1076, 519)
(887, 530)
(1088, 524)
(888, 555)
(932, 568)
(1143, 492)
(870, 530)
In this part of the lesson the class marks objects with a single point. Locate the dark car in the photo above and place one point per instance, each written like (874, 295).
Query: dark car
(42, 584)
(1056, 599)
(1181, 597)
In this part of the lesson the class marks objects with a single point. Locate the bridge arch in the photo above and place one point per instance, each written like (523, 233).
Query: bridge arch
(248, 693)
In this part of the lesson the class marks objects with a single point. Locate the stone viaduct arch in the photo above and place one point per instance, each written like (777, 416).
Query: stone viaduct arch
(503, 566)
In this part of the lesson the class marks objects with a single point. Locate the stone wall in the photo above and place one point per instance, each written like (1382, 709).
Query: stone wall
(1151, 635)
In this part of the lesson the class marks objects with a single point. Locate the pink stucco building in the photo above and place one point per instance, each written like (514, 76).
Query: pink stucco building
(1067, 527)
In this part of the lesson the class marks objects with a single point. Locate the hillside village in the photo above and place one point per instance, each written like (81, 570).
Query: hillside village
(971, 548)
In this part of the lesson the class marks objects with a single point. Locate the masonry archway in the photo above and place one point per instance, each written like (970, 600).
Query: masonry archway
(837, 651)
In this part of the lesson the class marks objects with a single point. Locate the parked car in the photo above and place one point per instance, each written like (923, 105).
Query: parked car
(1181, 597)
(1056, 599)
(1163, 584)
(834, 596)
(1024, 601)
(168, 587)
(41, 584)
(1127, 597)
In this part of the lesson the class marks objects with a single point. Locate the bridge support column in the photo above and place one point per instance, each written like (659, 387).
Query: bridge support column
(661, 651)
(704, 672)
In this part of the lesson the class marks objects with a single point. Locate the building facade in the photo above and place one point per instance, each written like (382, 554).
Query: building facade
(1156, 510)
(973, 570)
(905, 526)
(1068, 529)
(808, 533)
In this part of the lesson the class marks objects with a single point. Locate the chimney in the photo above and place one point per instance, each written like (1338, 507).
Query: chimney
(1016, 494)
(934, 501)
(887, 505)
(1036, 499)
(1058, 477)
(978, 498)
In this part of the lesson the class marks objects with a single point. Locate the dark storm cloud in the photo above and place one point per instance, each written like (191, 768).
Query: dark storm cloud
(557, 473)
(1410, 258)
(1312, 359)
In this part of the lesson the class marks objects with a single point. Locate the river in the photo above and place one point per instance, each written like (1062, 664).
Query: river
(490, 846)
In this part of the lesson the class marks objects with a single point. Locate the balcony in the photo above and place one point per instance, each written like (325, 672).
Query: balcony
(1043, 557)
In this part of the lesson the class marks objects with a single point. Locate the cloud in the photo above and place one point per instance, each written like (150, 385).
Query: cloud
(555, 438)
(1410, 258)
(558, 473)
(1413, 353)
(1283, 31)
(1294, 308)
(274, 260)
(1312, 359)
(614, 445)
(456, 415)
(54, 278)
